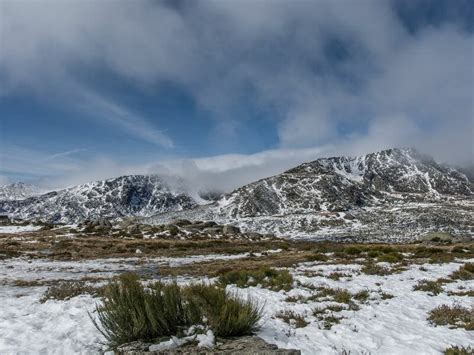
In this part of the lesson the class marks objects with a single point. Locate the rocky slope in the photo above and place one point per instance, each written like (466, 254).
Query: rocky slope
(379, 194)
(135, 195)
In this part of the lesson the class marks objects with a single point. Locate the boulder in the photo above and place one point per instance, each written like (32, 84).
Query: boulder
(230, 230)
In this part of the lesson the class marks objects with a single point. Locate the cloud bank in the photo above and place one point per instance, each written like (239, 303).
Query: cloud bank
(336, 77)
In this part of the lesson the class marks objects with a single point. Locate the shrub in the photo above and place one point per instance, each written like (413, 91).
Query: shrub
(227, 314)
(131, 311)
(266, 277)
(455, 316)
(433, 287)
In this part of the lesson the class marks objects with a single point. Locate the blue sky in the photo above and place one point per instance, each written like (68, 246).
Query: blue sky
(96, 89)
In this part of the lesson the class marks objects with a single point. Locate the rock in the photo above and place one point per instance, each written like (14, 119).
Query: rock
(254, 235)
(181, 222)
(213, 230)
(438, 237)
(229, 230)
(133, 229)
(245, 345)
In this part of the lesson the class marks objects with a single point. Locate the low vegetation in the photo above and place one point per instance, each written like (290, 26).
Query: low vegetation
(459, 350)
(465, 272)
(292, 318)
(433, 287)
(130, 311)
(270, 278)
(65, 290)
(454, 316)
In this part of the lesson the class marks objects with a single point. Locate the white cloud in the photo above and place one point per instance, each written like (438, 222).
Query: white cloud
(397, 88)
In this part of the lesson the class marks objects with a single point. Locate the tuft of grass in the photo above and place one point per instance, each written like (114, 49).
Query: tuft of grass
(433, 287)
(465, 272)
(374, 269)
(459, 350)
(270, 278)
(455, 316)
(392, 257)
(337, 275)
(131, 311)
(352, 250)
(292, 318)
(65, 290)
(362, 296)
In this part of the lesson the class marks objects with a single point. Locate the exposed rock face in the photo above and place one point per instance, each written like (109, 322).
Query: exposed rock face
(135, 195)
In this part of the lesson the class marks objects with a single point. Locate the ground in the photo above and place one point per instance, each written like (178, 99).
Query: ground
(343, 298)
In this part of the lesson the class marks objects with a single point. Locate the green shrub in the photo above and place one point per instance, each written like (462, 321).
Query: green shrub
(131, 311)
(227, 314)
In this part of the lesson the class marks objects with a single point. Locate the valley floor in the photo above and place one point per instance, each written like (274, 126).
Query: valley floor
(356, 299)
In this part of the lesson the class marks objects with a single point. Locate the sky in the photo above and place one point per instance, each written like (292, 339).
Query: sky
(225, 92)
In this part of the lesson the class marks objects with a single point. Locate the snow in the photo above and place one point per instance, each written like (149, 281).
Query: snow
(393, 326)
(18, 229)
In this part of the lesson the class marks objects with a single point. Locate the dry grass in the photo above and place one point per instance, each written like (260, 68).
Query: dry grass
(66, 290)
(432, 287)
(292, 318)
(454, 316)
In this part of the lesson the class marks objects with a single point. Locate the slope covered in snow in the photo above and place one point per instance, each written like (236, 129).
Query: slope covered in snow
(349, 196)
(18, 191)
(135, 195)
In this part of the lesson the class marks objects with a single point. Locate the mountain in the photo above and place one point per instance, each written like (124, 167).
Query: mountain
(135, 195)
(18, 191)
(395, 191)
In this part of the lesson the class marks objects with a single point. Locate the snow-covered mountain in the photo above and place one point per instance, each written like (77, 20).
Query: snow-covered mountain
(18, 191)
(341, 194)
(135, 195)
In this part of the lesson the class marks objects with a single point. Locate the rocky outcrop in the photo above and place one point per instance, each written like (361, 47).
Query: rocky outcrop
(246, 345)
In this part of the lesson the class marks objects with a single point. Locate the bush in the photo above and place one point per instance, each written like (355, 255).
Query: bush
(266, 277)
(131, 311)
(227, 314)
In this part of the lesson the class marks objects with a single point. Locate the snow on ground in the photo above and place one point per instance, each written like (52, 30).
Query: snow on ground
(54, 327)
(18, 229)
(392, 326)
